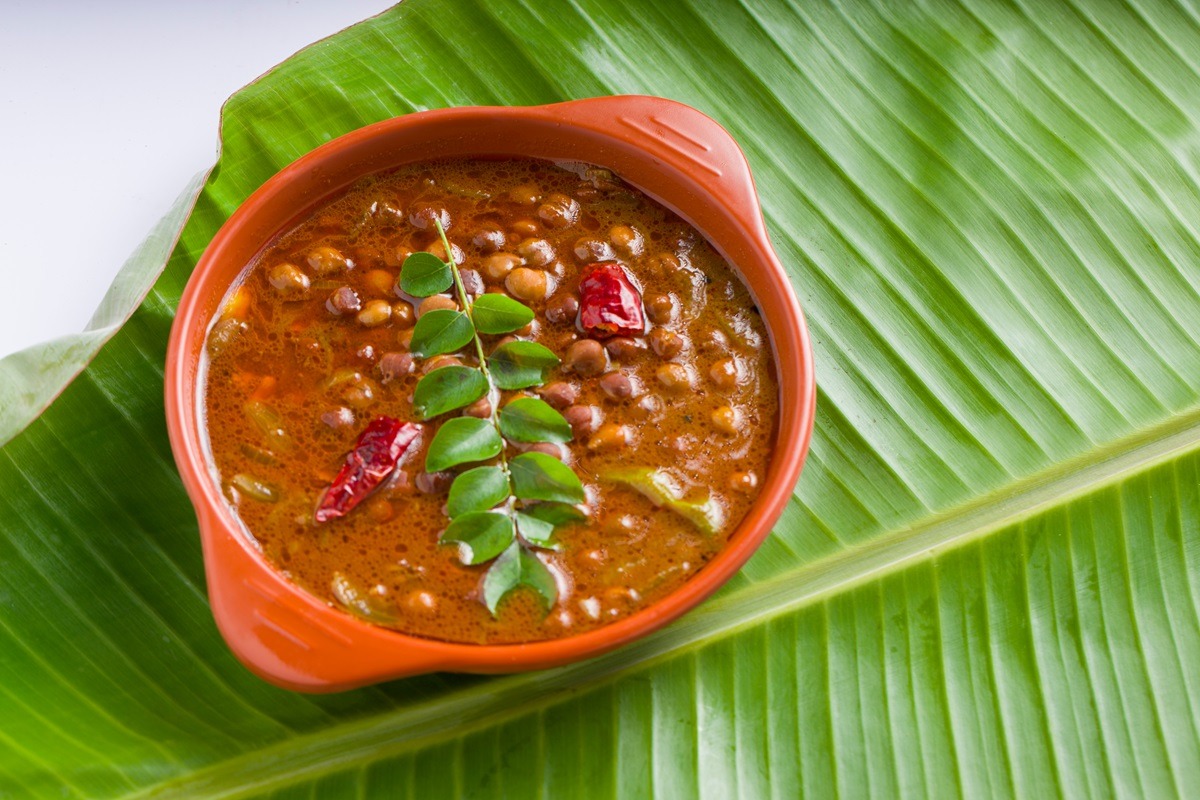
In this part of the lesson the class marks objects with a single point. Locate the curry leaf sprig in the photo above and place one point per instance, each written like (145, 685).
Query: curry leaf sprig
(499, 512)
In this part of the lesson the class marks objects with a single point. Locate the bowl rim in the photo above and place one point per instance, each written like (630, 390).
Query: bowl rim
(714, 164)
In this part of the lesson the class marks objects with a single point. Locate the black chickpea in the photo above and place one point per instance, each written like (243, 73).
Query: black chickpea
(583, 419)
(647, 407)
(395, 256)
(439, 250)
(665, 344)
(489, 238)
(660, 308)
(724, 374)
(381, 281)
(585, 358)
(621, 598)
(626, 240)
(442, 361)
(403, 314)
(497, 266)
(374, 313)
(434, 482)
(549, 448)
(422, 217)
(328, 260)
(673, 377)
(524, 227)
(288, 281)
(559, 211)
(526, 194)
(359, 391)
(616, 386)
(420, 601)
(610, 436)
(536, 252)
(472, 282)
(727, 420)
(664, 265)
(340, 417)
(744, 482)
(559, 394)
(344, 300)
(527, 284)
(713, 341)
(623, 348)
(395, 365)
(589, 248)
(562, 309)
(436, 302)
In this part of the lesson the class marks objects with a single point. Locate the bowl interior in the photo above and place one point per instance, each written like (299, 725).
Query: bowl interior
(675, 155)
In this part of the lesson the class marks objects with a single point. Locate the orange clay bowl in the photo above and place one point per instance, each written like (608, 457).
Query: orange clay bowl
(670, 151)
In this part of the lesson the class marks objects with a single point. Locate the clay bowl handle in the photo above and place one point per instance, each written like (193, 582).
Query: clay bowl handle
(292, 639)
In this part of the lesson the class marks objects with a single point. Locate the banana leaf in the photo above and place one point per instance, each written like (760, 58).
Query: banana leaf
(987, 583)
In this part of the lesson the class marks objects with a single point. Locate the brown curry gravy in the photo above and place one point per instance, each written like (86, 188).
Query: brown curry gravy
(280, 360)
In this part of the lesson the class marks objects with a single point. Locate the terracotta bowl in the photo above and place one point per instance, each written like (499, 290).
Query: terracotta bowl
(670, 151)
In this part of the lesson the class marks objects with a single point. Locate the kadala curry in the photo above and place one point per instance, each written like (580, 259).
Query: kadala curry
(490, 401)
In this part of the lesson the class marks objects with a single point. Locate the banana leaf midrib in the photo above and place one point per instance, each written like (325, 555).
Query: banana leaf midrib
(461, 712)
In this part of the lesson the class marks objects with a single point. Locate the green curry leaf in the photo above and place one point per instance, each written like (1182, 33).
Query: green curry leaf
(502, 577)
(441, 331)
(477, 490)
(536, 531)
(424, 274)
(536, 576)
(498, 313)
(518, 567)
(519, 365)
(537, 476)
(462, 440)
(529, 419)
(446, 389)
(480, 535)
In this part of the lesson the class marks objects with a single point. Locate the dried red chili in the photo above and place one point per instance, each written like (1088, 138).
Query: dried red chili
(609, 303)
(375, 454)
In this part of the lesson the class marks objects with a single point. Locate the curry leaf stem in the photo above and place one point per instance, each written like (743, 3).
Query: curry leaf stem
(493, 393)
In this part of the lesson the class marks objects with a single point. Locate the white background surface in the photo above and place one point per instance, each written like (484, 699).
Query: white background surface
(107, 109)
